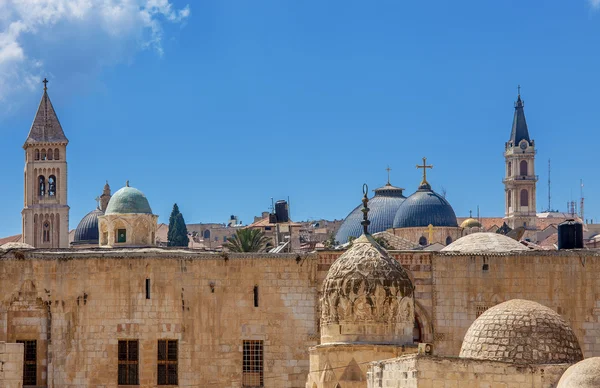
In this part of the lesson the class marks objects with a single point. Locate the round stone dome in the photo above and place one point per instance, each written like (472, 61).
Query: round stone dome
(16, 245)
(522, 332)
(485, 242)
(470, 223)
(367, 297)
(87, 230)
(128, 200)
(584, 374)
(423, 208)
(382, 209)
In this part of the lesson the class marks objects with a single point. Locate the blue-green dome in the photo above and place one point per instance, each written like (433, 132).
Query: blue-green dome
(423, 208)
(128, 200)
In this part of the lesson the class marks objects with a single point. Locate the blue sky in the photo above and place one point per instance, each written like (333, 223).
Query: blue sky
(221, 105)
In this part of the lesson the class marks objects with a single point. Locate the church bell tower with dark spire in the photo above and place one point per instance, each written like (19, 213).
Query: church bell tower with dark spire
(520, 179)
(46, 213)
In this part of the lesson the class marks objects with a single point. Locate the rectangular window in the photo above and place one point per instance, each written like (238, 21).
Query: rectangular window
(252, 364)
(128, 362)
(255, 296)
(147, 288)
(29, 362)
(121, 235)
(167, 362)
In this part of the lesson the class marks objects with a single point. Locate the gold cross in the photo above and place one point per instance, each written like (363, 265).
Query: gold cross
(430, 231)
(388, 169)
(424, 167)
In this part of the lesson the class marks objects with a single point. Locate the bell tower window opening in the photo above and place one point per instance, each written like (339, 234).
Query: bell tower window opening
(44, 157)
(509, 198)
(524, 198)
(56, 154)
(51, 186)
(41, 186)
(509, 171)
(46, 232)
(36, 154)
(50, 154)
(523, 168)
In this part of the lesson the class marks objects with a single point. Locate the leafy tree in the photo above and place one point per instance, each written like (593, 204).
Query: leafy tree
(247, 240)
(330, 243)
(178, 235)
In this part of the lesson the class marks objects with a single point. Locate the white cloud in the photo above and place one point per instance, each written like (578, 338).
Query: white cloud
(595, 3)
(39, 37)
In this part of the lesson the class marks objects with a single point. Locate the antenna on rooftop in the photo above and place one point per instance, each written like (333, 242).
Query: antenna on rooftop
(549, 188)
(581, 203)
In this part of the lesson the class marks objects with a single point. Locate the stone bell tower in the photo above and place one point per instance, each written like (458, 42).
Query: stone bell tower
(46, 213)
(520, 179)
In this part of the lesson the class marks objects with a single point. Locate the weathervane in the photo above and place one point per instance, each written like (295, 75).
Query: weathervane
(365, 222)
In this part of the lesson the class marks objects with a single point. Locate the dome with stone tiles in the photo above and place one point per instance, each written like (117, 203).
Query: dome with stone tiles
(382, 209)
(370, 294)
(584, 374)
(128, 200)
(523, 332)
(485, 242)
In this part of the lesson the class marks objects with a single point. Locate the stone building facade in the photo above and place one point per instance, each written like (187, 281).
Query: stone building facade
(11, 365)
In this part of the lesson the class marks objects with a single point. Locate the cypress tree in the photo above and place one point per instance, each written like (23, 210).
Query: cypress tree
(177, 236)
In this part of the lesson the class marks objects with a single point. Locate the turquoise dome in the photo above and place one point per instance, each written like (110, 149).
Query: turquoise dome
(128, 200)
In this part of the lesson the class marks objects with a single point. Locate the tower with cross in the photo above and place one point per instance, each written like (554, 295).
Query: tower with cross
(45, 215)
(520, 179)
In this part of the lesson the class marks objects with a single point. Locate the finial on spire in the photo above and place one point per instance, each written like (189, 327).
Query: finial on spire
(45, 81)
(470, 213)
(365, 222)
(127, 183)
(424, 166)
(388, 169)
(519, 90)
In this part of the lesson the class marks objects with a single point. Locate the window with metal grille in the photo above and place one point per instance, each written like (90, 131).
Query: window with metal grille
(253, 371)
(480, 310)
(167, 362)
(128, 362)
(29, 362)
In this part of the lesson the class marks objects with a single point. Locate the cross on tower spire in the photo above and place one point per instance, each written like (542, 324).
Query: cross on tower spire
(519, 90)
(45, 81)
(424, 166)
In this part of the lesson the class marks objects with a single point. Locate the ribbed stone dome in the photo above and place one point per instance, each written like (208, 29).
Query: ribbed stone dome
(382, 209)
(369, 294)
(485, 242)
(425, 207)
(128, 200)
(87, 230)
(522, 332)
(584, 374)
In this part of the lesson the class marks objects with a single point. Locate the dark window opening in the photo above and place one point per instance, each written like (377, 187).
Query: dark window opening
(44, 155)
(524, 198)
(121, 235)
(255, 296)
(29, 362)
(252, 364)
(52, 186)
(207, 234)
(56, 154)
(417, 333)
(37, 154)
(448, 240)
(128, 363)
(167, 362)
(42, 185)
(523, 168)
(46, 232)
(147, 288)
(422, 241)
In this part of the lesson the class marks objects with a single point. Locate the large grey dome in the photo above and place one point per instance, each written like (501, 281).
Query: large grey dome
(382, 209)
(87, 230)
(425, 207)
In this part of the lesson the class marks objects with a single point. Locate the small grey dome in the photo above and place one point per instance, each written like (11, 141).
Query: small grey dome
(485, 242)
(425, 207)
(128, 200)
(382, 209)
(584, 374)
(87, 230)
(522, 332)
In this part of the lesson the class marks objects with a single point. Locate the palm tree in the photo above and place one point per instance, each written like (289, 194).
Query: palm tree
(247, 240)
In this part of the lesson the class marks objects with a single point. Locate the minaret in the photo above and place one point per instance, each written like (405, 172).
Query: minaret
(105, 197)
(520, 180)
(45, 213)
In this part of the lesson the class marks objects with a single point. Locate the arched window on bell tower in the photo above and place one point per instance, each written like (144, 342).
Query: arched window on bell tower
(46, 232)
(509, 169)
(523, 168)
(509, 198)
(41, 186)
(524, 198)
(52, 186)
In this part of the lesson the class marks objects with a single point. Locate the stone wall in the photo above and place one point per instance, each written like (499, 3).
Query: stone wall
(79, 304)
(418, 371)
(11, 365)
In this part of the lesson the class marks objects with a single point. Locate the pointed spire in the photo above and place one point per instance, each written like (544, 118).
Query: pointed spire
(519, 127)
(46, 127)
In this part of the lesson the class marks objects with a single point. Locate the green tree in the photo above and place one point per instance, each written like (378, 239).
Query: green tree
(247, 240)
(178, 235)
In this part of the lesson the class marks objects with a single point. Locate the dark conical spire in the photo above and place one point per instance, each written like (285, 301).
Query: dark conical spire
(519, 128)
(46, 127)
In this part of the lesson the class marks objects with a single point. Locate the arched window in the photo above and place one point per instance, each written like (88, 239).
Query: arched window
(524, 198)
(51, 186)
(448, 240)
(417, 332)
(523, 168)
(422, 241)
(509, 198)
(56, 154)
(44, 154)
(509, 172)
(50, 155)
(37, 154)
(46, 232)
(207, 234)
(41, 186)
